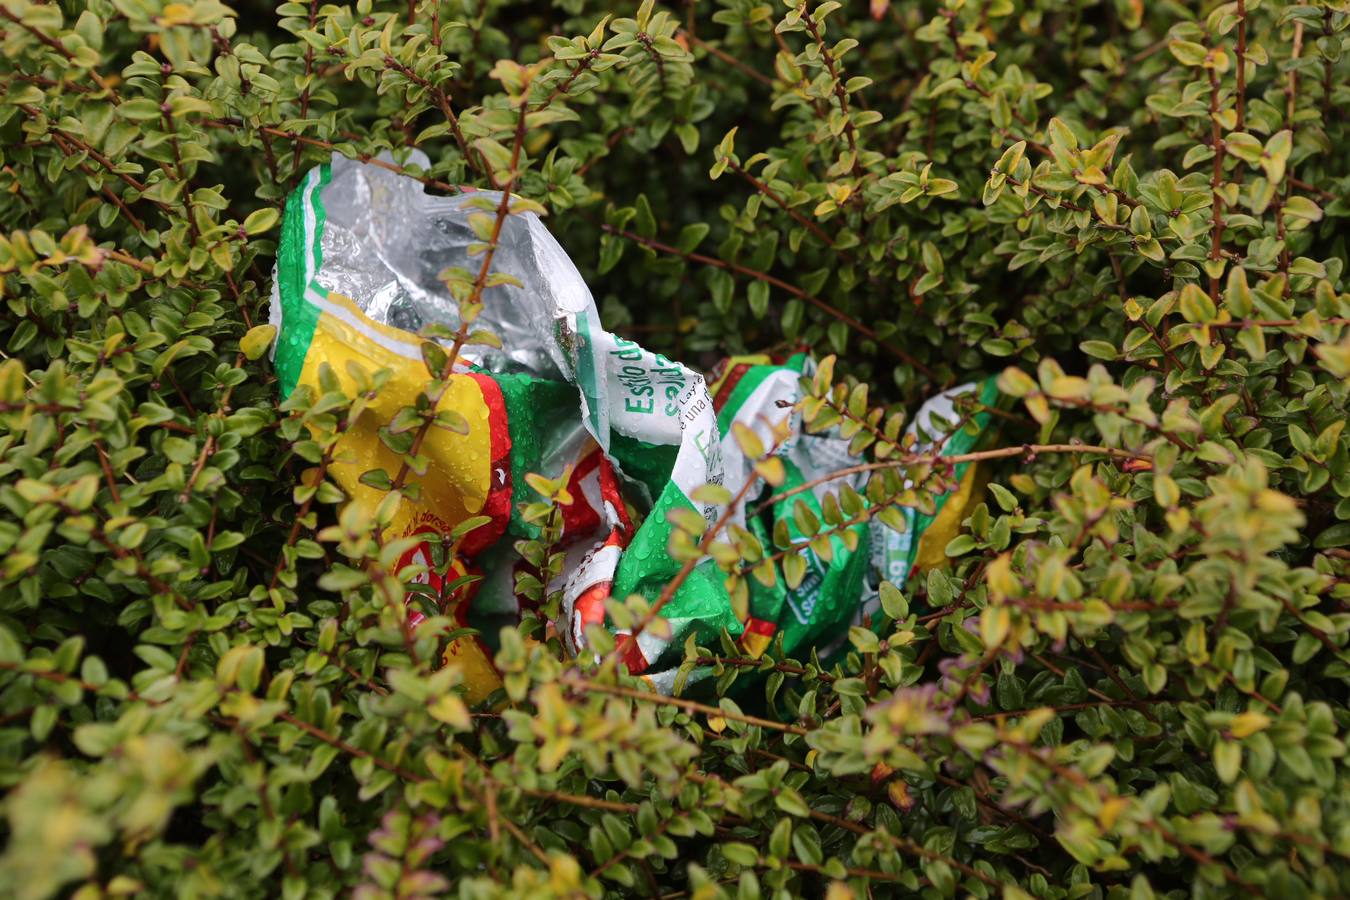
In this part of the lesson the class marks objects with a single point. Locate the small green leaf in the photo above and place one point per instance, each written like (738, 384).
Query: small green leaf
(257, 340)
(261, 221)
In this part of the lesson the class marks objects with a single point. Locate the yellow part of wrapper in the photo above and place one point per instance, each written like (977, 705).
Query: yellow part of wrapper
(459, 470)
(468, 654)
(458, 475)
(932, 551)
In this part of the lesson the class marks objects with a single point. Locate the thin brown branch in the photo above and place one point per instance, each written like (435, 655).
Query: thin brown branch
(367, 158)
(781, 203)
(583, 685)
(748, 663)
(914, 459)
(1290, 122)
(475, 297)
(779, 283)
(309, 71)
(1241, 66)
(840, 92)
(442, 100)
(730, 60)
(57, 46)
(1216, 182)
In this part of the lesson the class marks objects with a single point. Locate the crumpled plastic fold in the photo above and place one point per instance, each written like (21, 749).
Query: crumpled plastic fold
(357, 277)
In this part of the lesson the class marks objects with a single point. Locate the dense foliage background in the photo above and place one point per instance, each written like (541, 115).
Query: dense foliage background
(1131, 682)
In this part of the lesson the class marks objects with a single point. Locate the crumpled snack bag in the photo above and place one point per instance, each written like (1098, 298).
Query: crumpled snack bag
(845, 589)
(357, 278)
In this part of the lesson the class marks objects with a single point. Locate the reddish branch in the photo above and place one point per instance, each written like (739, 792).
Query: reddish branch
(779, 283)
(781, 203)
(57, 46)
(584, 685)
(840, 92)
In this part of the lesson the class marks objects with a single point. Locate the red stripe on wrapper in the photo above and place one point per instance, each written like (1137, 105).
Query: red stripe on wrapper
(729, 382)
(590, 606)
(455, 602)
(579, 517)
(595, 582)
(497, 506)
(632, 654)
(757, 637)
(759, 626)
(609, 491)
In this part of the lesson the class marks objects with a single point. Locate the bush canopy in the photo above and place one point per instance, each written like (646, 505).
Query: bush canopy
(1131, 679)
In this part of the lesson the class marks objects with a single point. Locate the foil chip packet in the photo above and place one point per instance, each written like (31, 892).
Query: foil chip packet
(357, 278)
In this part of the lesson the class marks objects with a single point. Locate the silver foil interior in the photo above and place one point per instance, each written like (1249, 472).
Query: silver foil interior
(387, 241)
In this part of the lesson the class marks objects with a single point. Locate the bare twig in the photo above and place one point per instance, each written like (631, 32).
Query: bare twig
(779, 283)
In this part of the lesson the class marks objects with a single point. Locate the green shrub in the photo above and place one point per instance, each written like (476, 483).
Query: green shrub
(1132, 679)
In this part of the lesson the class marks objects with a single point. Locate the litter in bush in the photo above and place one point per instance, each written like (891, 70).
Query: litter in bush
(358, 269)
